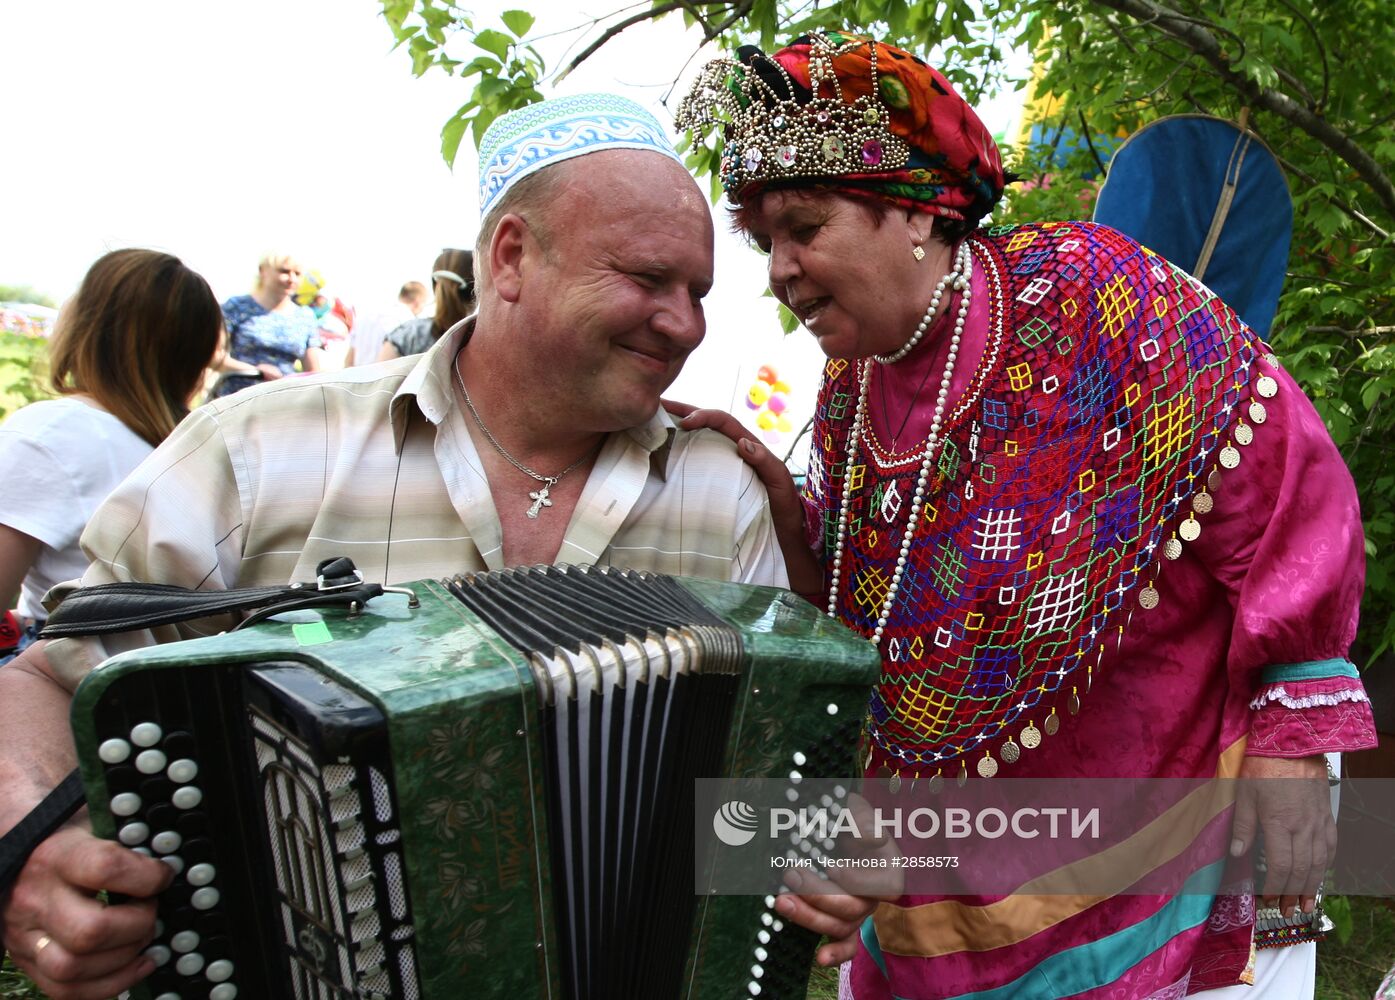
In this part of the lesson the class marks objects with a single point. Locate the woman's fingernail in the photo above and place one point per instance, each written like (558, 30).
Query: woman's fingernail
(1237, 848)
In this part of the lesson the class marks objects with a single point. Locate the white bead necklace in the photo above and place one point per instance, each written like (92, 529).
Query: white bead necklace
(959, 277)
(960, 268)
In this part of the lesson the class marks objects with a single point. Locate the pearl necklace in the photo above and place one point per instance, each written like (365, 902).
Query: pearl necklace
(960, 277)
(953, 277)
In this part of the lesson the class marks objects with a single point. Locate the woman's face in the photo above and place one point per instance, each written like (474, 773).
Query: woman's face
(281, 279)
(854, 284)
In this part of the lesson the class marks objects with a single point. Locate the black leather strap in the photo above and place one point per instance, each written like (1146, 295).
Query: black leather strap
(41, 822)
(127, 607)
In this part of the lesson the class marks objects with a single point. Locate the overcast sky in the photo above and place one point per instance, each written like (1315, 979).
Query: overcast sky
(220, 131)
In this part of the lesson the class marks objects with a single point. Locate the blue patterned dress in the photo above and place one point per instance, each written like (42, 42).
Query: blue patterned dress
(260, 337)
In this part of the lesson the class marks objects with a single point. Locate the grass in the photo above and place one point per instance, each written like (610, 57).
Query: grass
(1346, 971)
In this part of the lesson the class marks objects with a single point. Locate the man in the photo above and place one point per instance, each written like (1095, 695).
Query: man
(530, 433)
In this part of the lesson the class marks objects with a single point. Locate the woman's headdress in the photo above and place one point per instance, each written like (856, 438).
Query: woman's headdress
(847, 114)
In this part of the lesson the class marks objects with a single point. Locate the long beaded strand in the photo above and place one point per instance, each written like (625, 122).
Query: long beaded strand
(961, 283)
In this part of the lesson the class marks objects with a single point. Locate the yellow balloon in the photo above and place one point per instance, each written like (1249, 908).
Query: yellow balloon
(766, 420)
(780, 386)
(783, 424)
(759, 393)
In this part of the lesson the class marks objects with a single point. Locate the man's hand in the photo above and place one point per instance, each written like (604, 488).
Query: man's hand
(71, 944)
(1295, 817)
(786, 509)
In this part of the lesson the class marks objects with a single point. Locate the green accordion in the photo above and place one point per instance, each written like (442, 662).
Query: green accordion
(486, 793)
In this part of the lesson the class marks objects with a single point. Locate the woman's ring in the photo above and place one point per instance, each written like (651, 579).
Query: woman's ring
(43, 942)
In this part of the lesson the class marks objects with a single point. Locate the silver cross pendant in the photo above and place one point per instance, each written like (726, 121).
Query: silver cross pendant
(540, 499)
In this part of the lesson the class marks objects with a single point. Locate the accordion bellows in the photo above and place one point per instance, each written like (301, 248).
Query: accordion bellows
(489, 795)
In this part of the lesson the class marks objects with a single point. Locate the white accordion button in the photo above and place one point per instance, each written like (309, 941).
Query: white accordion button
(158, 954)
(146, 734)
(205, 898)
(189, 965)
(175, 862)
(223, 991)
(832, 709)
(166, 841)
(185, 941)
(133, 833)
(114, 751)
(201, 874)
(799, 758)
(187, 797)
(147, 852)
(150, 761)
(219, 971)
(183, 770)
(125, 804)
(169, 996)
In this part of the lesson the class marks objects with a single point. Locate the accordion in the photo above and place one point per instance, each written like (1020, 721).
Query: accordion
(487, 793)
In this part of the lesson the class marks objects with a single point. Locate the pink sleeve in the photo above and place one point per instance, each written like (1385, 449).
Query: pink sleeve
(1285, 541)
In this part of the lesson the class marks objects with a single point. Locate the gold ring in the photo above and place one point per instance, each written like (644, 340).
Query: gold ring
(43, 942)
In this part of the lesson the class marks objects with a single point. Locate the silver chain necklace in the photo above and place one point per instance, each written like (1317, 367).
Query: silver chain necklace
(539, 497)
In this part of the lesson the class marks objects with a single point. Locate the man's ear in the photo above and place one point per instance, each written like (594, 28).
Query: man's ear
(507, 249)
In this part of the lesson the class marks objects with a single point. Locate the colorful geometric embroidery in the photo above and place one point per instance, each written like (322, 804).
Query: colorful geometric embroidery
(1111, 383)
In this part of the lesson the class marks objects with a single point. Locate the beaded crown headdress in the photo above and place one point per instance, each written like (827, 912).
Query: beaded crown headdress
(771, 136)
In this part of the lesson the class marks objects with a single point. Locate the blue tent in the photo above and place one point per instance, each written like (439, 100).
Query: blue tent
(1208, 195)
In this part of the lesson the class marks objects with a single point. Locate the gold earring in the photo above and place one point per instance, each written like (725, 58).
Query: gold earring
(918, 252)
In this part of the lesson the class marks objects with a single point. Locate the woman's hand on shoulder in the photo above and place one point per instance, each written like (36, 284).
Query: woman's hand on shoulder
(786, 509)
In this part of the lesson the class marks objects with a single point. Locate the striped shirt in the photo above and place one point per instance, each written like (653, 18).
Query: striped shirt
(376, 463)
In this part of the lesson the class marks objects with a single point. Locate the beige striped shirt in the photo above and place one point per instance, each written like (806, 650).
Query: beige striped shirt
(376, 463)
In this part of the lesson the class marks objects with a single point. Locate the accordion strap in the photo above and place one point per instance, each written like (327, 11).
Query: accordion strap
(127, 607)
(56, 809)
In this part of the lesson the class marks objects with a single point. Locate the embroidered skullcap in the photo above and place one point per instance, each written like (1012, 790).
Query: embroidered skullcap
(852, 115)
(540, 135)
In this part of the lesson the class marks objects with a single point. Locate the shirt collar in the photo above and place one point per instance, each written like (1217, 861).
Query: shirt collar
(430, 385)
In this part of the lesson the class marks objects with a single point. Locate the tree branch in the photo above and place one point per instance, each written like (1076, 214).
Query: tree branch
(1202, 42)
(648, 14)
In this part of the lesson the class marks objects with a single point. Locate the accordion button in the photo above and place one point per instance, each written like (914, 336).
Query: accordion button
(133, 833)
(185, 941)
(182, 771)
(158, 954)
(187, 797)
(125, 804)
(114, 751)
(189, 965)
(146, 734)
(219, 971)
(223, 991)
(200, 875)
(166, 841)
(175, 862)
(150, 761)
(168, 996)
(205, 898)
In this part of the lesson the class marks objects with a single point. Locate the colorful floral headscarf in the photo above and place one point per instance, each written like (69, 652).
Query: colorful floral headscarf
(954, 168)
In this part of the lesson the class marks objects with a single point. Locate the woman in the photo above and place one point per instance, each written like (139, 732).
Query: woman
(127, 354)
(268, 332)
(453, 285)
(1020, 436)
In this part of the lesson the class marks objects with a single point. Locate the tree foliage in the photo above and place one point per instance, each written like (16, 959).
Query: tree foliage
(1311, 77)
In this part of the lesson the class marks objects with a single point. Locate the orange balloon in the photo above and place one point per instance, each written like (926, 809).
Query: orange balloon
(767, 374)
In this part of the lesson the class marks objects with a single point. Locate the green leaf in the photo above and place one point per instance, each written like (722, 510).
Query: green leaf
(789, 322)
(495, 42)
(452, 133)
(517, 21)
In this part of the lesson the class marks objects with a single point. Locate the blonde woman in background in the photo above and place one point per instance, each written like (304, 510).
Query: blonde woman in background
(268, 332)
(128, 352)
